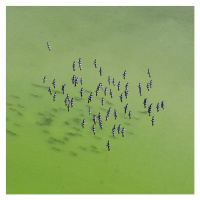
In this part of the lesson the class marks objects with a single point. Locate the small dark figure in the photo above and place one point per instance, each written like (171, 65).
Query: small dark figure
(105, 91)
(119, 129)
(124, 74)
(80, 63)
(125, 108)
(115, 114)
(63, 88)
(152, 120)
(108, 145)
(111, 93)
(83, 123)
(99, 116)
(81, 92)
(54, 83)
(113, 81)
(107, 116)
(148, 86)
(151, 83)
(66, 101)
(129, 114)
(68, 107)
(100, 71)
(97, 91)
(100, 86)
(74, 66)
(140, 87)
(163, 105)
(54, 97)
(49, 90)
(119, 85)
(95, 119)
(76, 81)
(81, 81)
(89, 111)
(109, 110)
(72, 102)
(49, 47)
(102, 101)
(73, 79)
(145, 102)
(89, 99)
(44, 79)
(109, 80)
(101, 124)
(126, 93)
(121, 97)
(95, 63)
(68, 97)
(140, 91)
(93, 129)
(150, 109)
(126, 86)
(149, 73)
(123, 131)
(113, 132)
(158, 107)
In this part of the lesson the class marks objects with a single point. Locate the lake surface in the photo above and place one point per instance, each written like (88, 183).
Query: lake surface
(48, 151)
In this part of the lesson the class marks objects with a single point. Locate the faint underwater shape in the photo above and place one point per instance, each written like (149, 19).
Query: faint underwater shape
(56, 149)
(9, 104)
(11, 132)
(66, 123)
(13, 109)
(73, 134)
(19, 113)
(46, 122)
(109, 103)
(16, 124)
(40, 86)
(45, 131)
(94, 149)
(77, 120)
(19, 105)
(54, 140)
(15, 96)
(65, 138)
(143, 112)
(35, 95)
(82, 148)
(73, 154)
(75, 128)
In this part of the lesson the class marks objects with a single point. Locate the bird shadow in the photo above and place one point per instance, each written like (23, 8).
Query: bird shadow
(11, 132)
(143, 112)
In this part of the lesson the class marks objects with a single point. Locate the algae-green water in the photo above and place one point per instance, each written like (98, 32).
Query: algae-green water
(48, 151)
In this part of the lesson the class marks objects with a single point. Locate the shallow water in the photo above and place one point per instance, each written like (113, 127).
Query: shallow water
(48, 151)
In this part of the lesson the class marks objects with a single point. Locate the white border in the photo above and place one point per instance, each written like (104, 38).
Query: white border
(3, 91)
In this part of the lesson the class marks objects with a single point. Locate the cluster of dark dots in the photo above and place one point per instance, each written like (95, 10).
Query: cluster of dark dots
(149, 85)
(75, 80)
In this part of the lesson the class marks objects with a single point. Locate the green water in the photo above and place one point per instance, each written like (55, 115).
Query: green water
(47, 150)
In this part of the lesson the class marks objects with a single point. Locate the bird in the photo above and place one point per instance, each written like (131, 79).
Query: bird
(44, 79)
(108, 145)
(49, 47)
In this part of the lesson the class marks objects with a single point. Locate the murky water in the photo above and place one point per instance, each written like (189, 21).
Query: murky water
(48, 151)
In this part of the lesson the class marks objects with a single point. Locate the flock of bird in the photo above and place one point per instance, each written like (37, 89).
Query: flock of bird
(69, 103)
